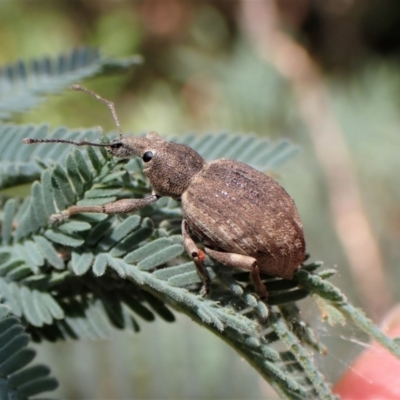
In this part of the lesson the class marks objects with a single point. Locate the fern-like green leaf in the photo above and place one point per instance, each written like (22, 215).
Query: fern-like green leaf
(24, 85)
(16, 380)
(115, 247)
(92, 272)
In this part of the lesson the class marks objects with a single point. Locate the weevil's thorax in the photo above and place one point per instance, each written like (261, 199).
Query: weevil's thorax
(172, 168)
(169, 166)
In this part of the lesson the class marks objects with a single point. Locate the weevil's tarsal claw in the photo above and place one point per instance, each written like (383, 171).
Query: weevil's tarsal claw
(59, 217)
(205, 290)
(27, 140)
(75, 86)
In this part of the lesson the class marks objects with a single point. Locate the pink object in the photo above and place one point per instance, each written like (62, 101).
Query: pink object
(375, 374)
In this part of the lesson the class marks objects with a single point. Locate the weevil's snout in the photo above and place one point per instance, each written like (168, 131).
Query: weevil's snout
(121, 149)
(128, 146)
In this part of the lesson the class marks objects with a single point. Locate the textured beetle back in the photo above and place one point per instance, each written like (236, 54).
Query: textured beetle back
(243, 211)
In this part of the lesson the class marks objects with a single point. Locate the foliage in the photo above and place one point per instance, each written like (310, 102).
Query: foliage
(83, 276)
(16, 381)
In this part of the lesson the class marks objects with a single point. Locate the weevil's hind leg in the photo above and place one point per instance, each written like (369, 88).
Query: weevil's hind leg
(242, 262)
(198, 257)
(117, 207)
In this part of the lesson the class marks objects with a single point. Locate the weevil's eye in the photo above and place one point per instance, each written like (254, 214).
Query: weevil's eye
(147, 156)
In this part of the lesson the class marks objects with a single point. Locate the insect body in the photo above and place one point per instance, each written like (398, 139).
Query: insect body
(244, 218)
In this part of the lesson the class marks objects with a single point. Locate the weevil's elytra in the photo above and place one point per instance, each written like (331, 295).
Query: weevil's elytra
(244, 218)
(243, 211)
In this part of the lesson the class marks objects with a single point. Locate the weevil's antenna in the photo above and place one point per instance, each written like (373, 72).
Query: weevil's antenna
(81, 143)
(108, 103)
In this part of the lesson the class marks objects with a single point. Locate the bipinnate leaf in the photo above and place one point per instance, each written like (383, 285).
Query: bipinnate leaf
(17, 381)
(80, 276)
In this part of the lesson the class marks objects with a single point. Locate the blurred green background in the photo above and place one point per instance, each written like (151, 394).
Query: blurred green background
(323, 73)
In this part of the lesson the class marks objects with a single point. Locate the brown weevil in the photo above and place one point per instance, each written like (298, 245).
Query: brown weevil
(244, 219)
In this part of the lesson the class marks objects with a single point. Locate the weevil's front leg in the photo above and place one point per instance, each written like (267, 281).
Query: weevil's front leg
(117, 207)
(242, 262)
(198, 257)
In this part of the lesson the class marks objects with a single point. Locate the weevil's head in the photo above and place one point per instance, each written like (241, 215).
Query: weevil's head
(169, 166)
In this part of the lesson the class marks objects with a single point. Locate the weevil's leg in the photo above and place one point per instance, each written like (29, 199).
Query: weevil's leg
(242, 262)
(117, 207)
(198, 257)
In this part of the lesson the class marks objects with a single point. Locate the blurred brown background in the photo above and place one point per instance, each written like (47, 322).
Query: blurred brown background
(324, 73)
